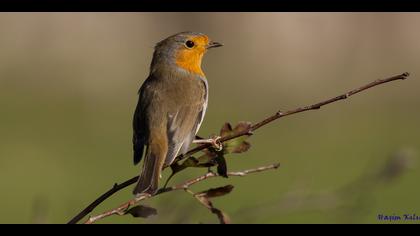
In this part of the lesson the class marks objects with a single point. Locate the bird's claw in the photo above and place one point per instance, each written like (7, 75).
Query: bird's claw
(214, 141)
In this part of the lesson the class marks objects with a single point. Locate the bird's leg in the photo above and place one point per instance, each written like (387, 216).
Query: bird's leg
(214, 141)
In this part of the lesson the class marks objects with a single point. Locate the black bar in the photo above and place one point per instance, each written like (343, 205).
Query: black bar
(211, 5)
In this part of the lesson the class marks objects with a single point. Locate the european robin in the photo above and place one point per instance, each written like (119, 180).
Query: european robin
(171, 106)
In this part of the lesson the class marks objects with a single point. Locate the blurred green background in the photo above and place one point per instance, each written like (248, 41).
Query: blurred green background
(68, 84)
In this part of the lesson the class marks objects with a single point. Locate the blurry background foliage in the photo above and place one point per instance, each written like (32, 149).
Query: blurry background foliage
(68, 89)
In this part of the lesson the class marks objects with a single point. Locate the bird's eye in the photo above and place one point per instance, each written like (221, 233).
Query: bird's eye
(189, 44)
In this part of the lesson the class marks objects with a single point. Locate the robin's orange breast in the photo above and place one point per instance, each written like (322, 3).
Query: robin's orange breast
(190, 61)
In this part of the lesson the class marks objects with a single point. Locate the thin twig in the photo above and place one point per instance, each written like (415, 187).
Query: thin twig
(254, 127)
(122, 209)
(103, 197)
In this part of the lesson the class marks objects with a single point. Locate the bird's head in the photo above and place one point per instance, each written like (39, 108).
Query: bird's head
(184, 50)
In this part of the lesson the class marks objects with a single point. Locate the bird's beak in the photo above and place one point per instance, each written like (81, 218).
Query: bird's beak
(214, 45)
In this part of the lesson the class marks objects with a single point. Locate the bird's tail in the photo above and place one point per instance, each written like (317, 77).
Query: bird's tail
(149, 178)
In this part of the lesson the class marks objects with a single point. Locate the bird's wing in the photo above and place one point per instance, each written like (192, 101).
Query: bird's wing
(182, 127)
(140, 129)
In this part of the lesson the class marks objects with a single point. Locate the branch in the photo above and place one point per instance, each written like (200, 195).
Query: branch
(280, 114)
(122, 209)
(254, 127)
(103, 197)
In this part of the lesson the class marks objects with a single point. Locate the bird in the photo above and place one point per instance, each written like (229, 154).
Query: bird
(172, 102)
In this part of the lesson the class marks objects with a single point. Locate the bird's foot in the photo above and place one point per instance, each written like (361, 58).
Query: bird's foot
(140, 196)
(214, 141)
